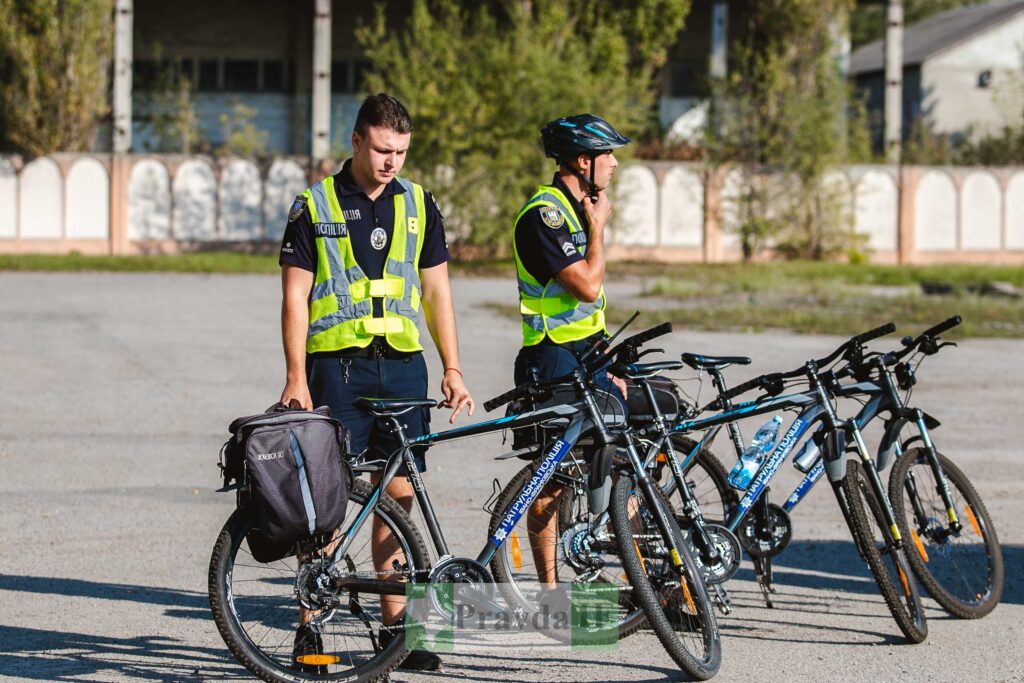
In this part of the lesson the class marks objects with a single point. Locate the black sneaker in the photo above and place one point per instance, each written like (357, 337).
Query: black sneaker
(307, 642)
(416, 660)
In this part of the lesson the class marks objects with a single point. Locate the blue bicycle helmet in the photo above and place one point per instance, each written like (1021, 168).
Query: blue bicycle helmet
(566, 138)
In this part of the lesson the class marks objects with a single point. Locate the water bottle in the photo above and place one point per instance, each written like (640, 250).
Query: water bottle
(751, 458)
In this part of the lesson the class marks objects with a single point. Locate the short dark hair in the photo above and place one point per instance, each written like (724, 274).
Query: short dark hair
(384, 111)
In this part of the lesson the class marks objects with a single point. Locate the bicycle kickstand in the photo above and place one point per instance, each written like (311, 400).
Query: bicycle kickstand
(763, 570)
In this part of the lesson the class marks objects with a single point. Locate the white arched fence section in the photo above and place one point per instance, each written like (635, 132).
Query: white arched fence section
(41, 200)
(682, 208)
(877, 209)
(149, 201)
(981, 212)
(285, 179)
(935, 216)
(240, 192)
(88, 207)
(1015, 211)
(635, 200)
(195, 201)
(8, 200)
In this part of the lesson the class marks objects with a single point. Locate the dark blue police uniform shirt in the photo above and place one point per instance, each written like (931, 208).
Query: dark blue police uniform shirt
(546, 251)
(363, 216)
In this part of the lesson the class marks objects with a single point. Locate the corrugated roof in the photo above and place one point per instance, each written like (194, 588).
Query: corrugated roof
(936, 33)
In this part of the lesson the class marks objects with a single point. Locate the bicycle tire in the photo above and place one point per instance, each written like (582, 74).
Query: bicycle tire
(517, 576)
(256, 611)
(693, 641)
(707, 478)
(964, 576)
(889, 566)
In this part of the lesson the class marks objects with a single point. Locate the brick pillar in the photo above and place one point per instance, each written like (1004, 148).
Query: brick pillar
(120, 170)
(907, 187)
(711, 244)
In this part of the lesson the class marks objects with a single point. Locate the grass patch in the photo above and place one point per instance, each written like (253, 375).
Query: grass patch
(202, 262)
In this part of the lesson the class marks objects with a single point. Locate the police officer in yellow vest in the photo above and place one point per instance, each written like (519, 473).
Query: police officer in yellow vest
(363, 252)
(559, 252)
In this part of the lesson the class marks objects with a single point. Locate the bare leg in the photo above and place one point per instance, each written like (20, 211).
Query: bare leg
(542, 525)
(385, 548)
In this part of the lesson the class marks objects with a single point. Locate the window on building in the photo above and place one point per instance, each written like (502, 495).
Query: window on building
(241, 75)
(273, 76)
(359, 71)
(688, 79)
(340, 77)
(146, 75)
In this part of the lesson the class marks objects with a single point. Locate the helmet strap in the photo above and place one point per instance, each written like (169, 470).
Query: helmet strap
(588, 183)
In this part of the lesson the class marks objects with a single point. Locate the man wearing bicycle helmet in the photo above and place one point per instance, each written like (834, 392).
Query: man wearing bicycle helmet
(558, 243)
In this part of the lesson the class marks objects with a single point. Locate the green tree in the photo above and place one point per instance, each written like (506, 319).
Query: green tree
(480, 82)
(171, 104)
(783, 119)
(54, 60)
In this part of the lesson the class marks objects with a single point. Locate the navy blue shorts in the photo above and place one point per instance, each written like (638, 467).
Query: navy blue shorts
(337, 381)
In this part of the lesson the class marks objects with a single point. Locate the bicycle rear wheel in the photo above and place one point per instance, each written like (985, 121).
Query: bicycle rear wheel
(675, 601)
(256, 608)
(888, 563)
(962, 570)
(706, 477)
(570, 553)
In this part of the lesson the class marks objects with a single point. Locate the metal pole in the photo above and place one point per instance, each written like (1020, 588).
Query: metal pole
(122, 77)
(893, 81)
(320, 146)
(719, 38)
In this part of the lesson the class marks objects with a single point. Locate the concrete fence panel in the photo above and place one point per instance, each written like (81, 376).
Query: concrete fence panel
(636, 207)
(41, 200)
(981, 211)
(195, 201)
(88, 194)
(935, 212)
(149, 201)
(1015, 211)
(240, 194)
(285, 179)
(682, 208)
(876, 209)
(8, 200)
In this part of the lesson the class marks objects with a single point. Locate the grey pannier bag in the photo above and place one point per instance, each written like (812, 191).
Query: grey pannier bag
(293, 464)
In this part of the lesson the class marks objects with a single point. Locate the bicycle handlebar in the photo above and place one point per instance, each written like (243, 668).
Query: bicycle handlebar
(590, 364)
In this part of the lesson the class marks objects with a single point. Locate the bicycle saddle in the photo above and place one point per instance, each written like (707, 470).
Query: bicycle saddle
(699, 362)
(645, 370)
(392, 406)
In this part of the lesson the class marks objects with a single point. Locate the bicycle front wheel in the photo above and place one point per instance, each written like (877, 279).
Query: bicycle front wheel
(706, 478)
(256, 605)
(556, 544)
(675, 600)
(888, 563)
(962, 569)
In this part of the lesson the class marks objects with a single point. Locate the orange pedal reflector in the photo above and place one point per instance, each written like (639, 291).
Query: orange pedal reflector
(318, 660)
(973, 520)
(517, 555)
(662, 458)
(919, 544)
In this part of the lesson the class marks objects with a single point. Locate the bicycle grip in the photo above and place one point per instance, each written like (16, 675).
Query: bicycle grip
(880, 331)
(742, 388)
(942, 327)
(648, 335)
(501, 400)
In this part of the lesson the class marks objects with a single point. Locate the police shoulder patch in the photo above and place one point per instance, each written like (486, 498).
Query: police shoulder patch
(552, 217)
(298, 206)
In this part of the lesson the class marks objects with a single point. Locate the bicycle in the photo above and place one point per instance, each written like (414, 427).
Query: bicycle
(256, 607)
(764, 528)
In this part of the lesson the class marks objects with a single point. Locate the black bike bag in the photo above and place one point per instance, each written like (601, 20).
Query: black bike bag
(292, 466)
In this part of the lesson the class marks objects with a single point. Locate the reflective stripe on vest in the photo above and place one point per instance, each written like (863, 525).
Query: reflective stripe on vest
(341, 302)
(548, 310)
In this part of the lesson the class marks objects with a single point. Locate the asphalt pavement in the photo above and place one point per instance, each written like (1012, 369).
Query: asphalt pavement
(115, 395)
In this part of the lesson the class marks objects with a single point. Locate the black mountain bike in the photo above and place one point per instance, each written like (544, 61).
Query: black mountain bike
(333, 587)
